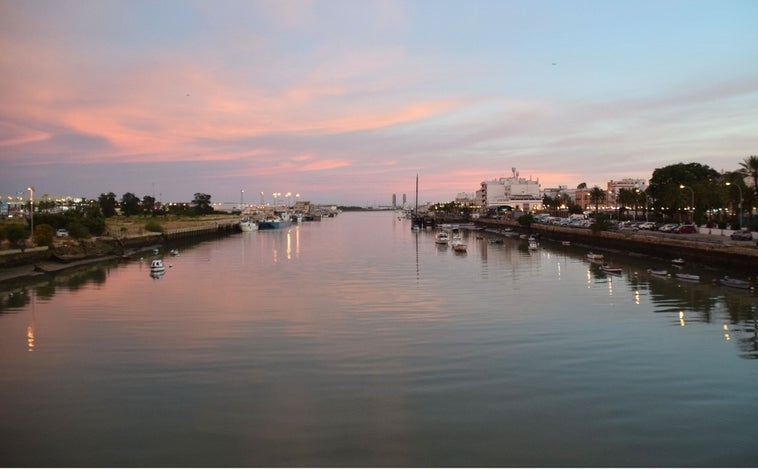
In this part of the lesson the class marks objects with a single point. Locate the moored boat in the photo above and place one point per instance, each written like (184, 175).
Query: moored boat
(156, 265)
(610, 269)
(688, 277)
(441, 237)
(247, 225)
(736, 283)
(273, 222)
(594, 257)
(658, 272)
(458, 245)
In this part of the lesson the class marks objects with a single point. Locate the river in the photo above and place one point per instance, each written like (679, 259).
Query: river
(356, 342)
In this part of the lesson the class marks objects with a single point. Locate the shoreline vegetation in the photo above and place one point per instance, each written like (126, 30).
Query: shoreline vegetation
(123, 236)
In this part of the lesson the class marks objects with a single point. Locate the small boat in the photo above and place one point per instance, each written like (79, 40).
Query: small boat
(736, 283)
(174, 252)
(678, 261)
(566, 243)
(441, 238)
(594, 257)
(611, 270)
(658, 272)
(156, 265)
(688, 277)
(247, 225)
(533, 244)
(458, 245)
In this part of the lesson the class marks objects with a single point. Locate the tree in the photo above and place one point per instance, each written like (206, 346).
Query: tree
(16, 235)
(750, 169)
(665, 187)
(597, 195)
(582, 185)
(130, 204)
(148, 204)
(202, 203)
(627, 198)
(107, 204)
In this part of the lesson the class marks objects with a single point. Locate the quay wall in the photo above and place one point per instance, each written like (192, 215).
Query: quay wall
(717, 251)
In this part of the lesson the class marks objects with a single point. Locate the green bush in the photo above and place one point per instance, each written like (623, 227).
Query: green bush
(43, 235)
(78, 230)
(154, 227)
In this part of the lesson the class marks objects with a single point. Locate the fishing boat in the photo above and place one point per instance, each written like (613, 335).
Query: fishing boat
(736, 283)
(594, 257)
(276, 221)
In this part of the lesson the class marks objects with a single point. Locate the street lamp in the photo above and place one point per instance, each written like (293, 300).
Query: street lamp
(242, 199)
(740, 204)
(31, 207)
(682, 186)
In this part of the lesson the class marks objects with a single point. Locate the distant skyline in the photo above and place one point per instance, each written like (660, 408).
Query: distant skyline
(346, 101)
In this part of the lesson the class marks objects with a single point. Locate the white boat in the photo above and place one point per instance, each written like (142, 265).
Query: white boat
(611, 270)
(736, 283)
(156, 265)
(247, 225)
(594, 257)
(658, 272)
(689, 277)
(441, 237)
(533, 244)
(677, 261)
(458, 245)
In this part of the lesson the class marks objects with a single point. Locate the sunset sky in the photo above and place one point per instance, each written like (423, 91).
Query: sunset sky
(346, 101)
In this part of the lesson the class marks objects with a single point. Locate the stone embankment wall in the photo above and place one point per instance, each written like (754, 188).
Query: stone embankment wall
(715, 250)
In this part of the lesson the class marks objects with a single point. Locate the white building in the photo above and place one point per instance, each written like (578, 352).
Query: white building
(516, 192)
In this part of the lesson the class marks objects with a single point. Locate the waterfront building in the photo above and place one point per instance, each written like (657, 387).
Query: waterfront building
(518, 193)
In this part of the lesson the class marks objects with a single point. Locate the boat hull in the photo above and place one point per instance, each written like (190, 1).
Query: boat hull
(273, 224)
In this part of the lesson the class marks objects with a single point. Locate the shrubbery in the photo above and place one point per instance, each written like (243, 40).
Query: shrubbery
(154, 226)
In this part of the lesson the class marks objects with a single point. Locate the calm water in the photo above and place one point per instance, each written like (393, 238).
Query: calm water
(356, 342)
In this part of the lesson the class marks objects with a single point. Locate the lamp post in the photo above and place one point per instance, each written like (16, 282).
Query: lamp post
(242, 199)
(31, 207)
(682, 186)
(740, 204)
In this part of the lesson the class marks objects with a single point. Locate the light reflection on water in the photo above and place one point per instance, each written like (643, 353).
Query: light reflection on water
(354, 341)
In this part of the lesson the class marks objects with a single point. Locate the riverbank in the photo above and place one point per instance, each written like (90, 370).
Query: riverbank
(707, 248)
(68, 253)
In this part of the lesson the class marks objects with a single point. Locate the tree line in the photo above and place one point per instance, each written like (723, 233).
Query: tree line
(684, 187)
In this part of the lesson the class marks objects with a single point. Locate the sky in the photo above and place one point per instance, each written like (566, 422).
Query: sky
(345, 101)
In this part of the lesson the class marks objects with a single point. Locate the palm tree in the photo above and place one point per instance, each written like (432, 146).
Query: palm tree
(597, 195)
(750, 169)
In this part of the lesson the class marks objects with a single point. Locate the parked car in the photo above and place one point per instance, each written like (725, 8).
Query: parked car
(742, 235)
(686, 229)
(61, 233)
(649, 225)
(668, 227)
